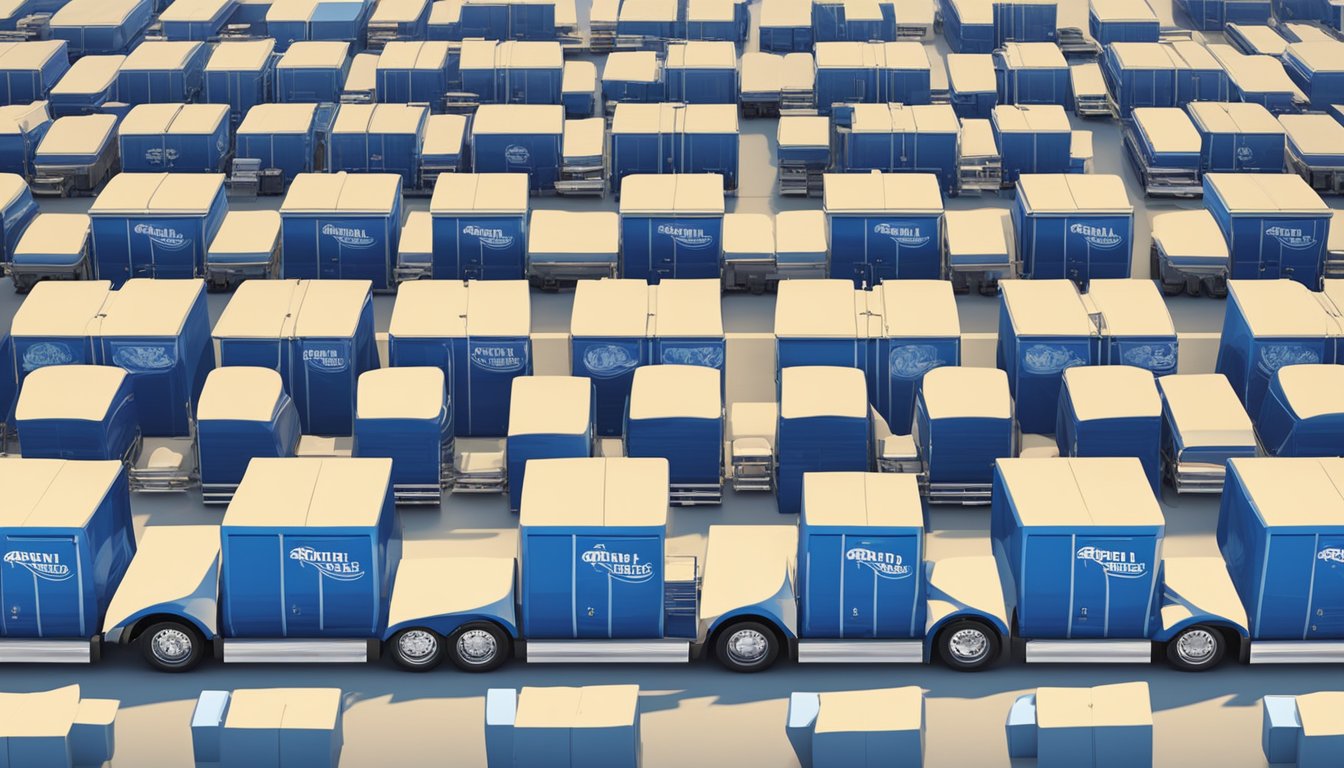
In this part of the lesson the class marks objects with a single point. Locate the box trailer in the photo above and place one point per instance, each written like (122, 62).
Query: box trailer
(155, 224)
(1031, 139)
(342, 226)
(1237, 137)
(701, 72)
(181, 138)
(1122, 21)
(824, 426)
(1163, 74)
(632, 76)
(519, 138)
(512, 72)
(477, 333)
(786, 26)
(317, 333)
(712, 20)
(290, 21)
(445, 21)
(283, 136)
(196, 19)
(29, 70)
(480, 227)
(675, 412)
(404, 414)
(78, 412)
(101, 26)
(361, 81)
(893, 138)
(1315, 68)
(241, 74)
(76, 155)
(1074, 226)
(413, 73)
(839, 20)
(1275, 225)
(162, 72)
(578, 90)
(565, 246)
(244, 414)
(1303, 413)
(1259, 80)
(382, 139)
(1166, 151)
(55, 246)
(1043, 330)
(962, 424)
(1134, 326)
(55, 325)
(647, 23)
(511, 20)
(972, 87)
(1203, 426)
(1255, 37)
(824, 323)
(675, 138)
(1094, 525)
(247, 245)
(313, 71)
(1111, 410)
(884, 226)
(90, 83)
(1188, 254)
(1215, 15)
(672, 226)
(550, 417)
(1314, 150)
(969, 25)
(398, 20)
(919, 331)
(1033, 73)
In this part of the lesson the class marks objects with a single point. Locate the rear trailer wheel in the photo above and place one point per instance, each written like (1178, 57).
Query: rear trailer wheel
(416, 649)
(479, 647)
(172, 646)
(1196, 649)
(747, 646)
(968, 646)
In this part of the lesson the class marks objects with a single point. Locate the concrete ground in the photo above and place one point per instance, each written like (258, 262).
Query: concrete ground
(700, 715)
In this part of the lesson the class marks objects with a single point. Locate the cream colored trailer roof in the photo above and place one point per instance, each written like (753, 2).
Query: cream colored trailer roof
(498, 308)
(33, 54)
(595, 492)
(579, 77)
(1031, 117)
(395, 11)
(363, 73)
(1261, 37)
(240, 393)
(1131, 307)
(746, 565)
(685, 308)
(965, 392)
(278, 118)
(971, 72)
(444, 134)
(1112, 392)
(1314, 134)
(977, 139)
(816, 309)
(800, 71)
(709, 10)
(1081, 492)
(520, 54)
(1143, 55)
(350, 193)
(160, 55)
(676, 392)
(149, 119)
(631, 67)
(382, 118)
(1233, 117)
(881, 192)
(1206, 410)
(1266, 193)
(905, 55)
(246, 55)
(978, 232)
(94, 13)
(89, 74)
(1168, 129)
(702, 54)
(1187, 234)
(761, 72)
(595, 232)
(149, 307)
(1313, 390)
(804, 131)
(1317, 55)
(1069, 192)
(314, 54)
(864, 499)
(550, 405)
(786, 13)
(1121, 10)
(415, 392)
(519, 119)
(681, 193)
(585, 137)
(131, 193)
(816, 390)
(566, 13)
(648, 10)
(1294, 491)
(630, 117)
(193, 10)
(291, 10)
(196, 119)
(430, 309)
(1309, 33)
(263, 309)
(1087, 80)
(40, 714)
(1031, 56)
(502, 193)
(82, 392)
(311, 492)
(52, 233)
(1255, 73)
(748, 233)
(477, 54)
(247, 232)
(875, 711)
(918, 308)
(1280, 308)
(800, 232)
(1045, 308)
(974, 11)
(862, 10)
(54, 492)
(848, 55)
(331, 308)
(611, 308)
(408, 54)
(417, 234)
(61, 308)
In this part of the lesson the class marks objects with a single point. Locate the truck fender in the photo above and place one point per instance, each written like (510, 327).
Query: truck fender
(752, 613)
(447, 625)
(130, 628)
(964, 614)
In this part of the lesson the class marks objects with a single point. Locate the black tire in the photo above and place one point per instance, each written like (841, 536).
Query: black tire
(416, 649)
(968, 646)
(1196, 649)
(747, 646)
(480, 646)
(172, 646)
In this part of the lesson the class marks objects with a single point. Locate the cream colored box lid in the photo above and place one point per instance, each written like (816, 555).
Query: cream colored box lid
(1122, 704)
(1142, 55)
(31, 55)
(1070, 192)
(971, 72)
(1313, 390)
(1087, 80)
(1189, 234)
(363, 73)
(416, 392)
(974, 11)
(786, 13)
(503, 193)
(82, 392)
(1280, 308)
(240, 393)
(62, 308)
(1321, 713)
(594, 706)
(648, 10)
(311, 492)
(54, 493)
(709, 10)
(918, 309)
(1318, 56)
(1261, 37)
(607, 308)
(1081, 492)
(889, 709)
(1031, 117)
(800, 232)
(804, 131)
(284, 708)
(1206, 410)
(314, 54)
(520, 119)
(1167, 129)
(748, 233)
(702, 54)
(1112, 392)
(94, 13)
(155, 55)
(278, 118)
(332, 308)
(1031, 56)
(550, 405)
(595, 492)
(680, 193)
(1045, 308)
(881, 192)
(407, 54)
(800, 71)
(953, 391)
(848, 55)
(906, 55)
(398, 11)
(979, 232)
(90, 74)
(374, 193)
(862, 499)
(429, 309)
(584, 138)
(579, 77)
(1121, 10)
(140, 193)
(417, 234)
(381, 118)
(685, 308)
(761, 72)
(816, 309)
(444, 135)
(631, 67)
(519, 54)
(77, 134)
(245, 232)
(977, 139)
(1294, 492)
(150, 307)
(194, 10)
(675, 392)
(583, 232)
(262, 309)
(816, 390)
(1314, 134)
(477, 54)
(631, 117)
(54, 233)
(1131, 307)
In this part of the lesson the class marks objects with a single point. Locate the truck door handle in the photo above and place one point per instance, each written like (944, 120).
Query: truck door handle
(591, 613)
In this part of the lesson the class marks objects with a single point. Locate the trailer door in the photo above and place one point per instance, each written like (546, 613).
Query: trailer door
(1326, 620)
(618, 587)
(879, 587)
(1112, 586)
(250, 587)
(330, 586)
(43, 588)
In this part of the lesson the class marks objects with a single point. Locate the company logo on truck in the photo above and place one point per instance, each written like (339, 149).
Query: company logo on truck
(517, 154)
(490, 238)
(1245, 155)
(686, 237)
(1275, 356)
(912, 361)
(1097, 237)
(325, 359)
(1044, 359)
(709, 356)
(43, 565)
(1291, 237)
(911, 237)
(622, 566)
(144, 357)
(1331, 555)
(887, 565)
(607, 361)
(330, 565)
(498, 358)
(353, 237)
(157, 156)
(1117, 563)
(164, 237)
(47, 353)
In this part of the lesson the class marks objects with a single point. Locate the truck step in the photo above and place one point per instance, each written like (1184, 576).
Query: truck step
(1089, 651)
(860, 652)
(608, 651)
(1297, 652)
(45, 651)
(296, 651)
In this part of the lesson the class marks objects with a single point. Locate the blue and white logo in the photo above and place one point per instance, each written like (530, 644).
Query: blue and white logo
(517, 154)
(1097, 237)
(143, 357)
(164, 237)
(1275, 356)
(1117, 563)
(352, 237)
(44, 565)
(1156, 357)
(491, 238)
(328, 360)
(1245, 155)
(498, 358)
(607, 361)
(1044, 359)
(887, 565)
(909, 236)
(686, 237)
(708, 356)
(330, 565)
(1292, 237)
(47, 353)
(158, 155)
(1331, 555)
(912, 361)
(622, 566)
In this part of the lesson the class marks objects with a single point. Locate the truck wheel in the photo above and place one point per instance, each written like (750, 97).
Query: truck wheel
(479, 647)
(968, 646)
(1196, 649)
(416, 649)
(172, 646)
(748, 646)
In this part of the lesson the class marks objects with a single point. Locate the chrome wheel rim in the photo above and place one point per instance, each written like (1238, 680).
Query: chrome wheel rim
(417, 646)
(171, 646)
(968, 645)
(747, 646)
(1196, 646)
(476, 647)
